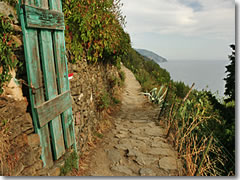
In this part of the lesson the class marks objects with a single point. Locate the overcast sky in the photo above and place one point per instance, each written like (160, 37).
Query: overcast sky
(182, 29)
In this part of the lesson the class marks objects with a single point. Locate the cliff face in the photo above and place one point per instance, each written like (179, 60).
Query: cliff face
(151, 55)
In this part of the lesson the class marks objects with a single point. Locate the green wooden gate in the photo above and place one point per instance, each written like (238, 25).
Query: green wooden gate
(42, 24)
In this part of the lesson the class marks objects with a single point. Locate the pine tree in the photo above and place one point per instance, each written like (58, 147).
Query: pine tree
(230, 79)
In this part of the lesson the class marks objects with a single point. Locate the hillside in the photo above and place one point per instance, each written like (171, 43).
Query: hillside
(151, 55)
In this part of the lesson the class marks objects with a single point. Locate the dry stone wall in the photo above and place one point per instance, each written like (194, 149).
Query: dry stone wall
(20, 147)
(89, 84)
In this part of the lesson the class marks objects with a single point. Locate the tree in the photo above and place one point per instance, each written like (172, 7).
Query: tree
(230, 79)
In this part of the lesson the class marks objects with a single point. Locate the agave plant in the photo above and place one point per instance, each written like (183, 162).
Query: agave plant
(156, 96)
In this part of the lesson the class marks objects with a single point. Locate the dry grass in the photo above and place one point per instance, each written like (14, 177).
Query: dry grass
(200, 153)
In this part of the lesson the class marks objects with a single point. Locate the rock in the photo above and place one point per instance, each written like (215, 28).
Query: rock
(7, 10)
(149, 160)
(121, 135)
(160, 151)
(122, 169)
(18, 169)
(133, 152)
(146, 172)
(168, 163)
(27, 123)
(140, 161)
(29, 171)
(20, 140)
(135, 131)
(33, 140)
(139, 121)
(154, 131)
(122, 146)
(54, 171)
(38, 165)
(144, 139)
(28, 158)
(137, 143)
(159, 144)
(114, 156)
(151, 124)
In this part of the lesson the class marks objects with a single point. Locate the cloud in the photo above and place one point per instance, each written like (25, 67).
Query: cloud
(209, 18)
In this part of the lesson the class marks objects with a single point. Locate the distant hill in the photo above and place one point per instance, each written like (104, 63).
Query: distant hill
(151, 55)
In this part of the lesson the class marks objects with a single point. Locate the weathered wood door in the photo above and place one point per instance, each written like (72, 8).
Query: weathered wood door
(42, 24)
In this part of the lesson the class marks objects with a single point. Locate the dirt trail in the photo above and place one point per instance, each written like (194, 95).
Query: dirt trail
(136, 146)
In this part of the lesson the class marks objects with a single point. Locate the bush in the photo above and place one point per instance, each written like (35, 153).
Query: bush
(122, 75)
(104, 101)
(94, 29)
(7, 60)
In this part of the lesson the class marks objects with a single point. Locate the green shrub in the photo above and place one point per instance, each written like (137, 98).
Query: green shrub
(115, 100)
(104, 101)
(94, 29)
(7, 62)
(71, 162)
(122, 75)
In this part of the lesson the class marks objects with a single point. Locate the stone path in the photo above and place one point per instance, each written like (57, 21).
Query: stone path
(136, 146)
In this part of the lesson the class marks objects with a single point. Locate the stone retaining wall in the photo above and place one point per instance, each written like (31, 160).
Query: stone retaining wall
(89, 83)
(20, 147)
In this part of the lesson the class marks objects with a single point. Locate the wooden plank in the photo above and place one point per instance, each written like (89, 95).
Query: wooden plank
(62, 76)
(31, 51)
(48, 66)
(53, 108)
(43, 18)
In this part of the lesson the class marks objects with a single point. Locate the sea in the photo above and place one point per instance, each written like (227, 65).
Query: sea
(208, 75)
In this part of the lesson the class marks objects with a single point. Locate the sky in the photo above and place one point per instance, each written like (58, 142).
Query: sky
(182, 29)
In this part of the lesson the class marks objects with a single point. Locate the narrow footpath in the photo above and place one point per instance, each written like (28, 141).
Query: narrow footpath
(136, 146)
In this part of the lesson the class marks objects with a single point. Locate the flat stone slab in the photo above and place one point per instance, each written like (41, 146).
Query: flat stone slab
(144, 139)
(146, 172)
(139, 121)
(159, 144)
(156, 131)
(122, 169)
(151, 124)
(114, 156)
(135, 131)
(120, 136)
(122, 146)
(137, 143)
(145, 160)
(168, 163)
(133, 152)
(160, 151)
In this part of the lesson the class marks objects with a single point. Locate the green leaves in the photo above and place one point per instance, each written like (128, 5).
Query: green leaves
(7, 62)
(155, 96)
(95, 29)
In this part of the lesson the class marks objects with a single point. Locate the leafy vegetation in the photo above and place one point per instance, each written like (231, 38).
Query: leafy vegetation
(7, 60)
(94, 30)
(104, 101)
(71, 163)
(157, 96)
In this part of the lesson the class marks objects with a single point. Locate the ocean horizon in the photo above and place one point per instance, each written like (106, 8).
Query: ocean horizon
(206, 74)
